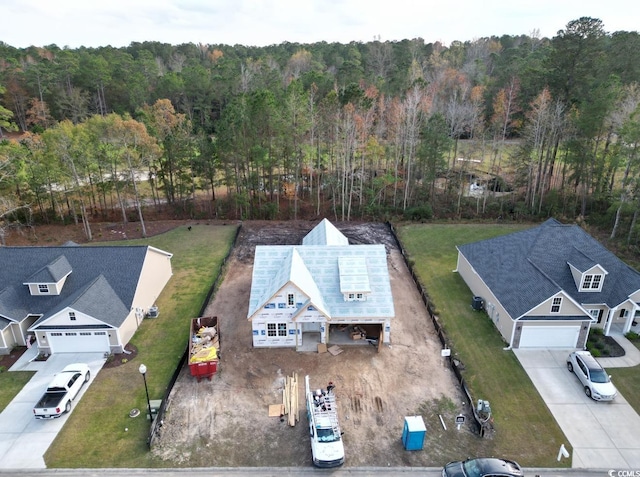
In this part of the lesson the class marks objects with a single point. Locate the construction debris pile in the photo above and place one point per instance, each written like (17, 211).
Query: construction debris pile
(205, 345)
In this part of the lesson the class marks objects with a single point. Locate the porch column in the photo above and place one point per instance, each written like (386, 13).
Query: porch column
(607, 326)
(630, 318)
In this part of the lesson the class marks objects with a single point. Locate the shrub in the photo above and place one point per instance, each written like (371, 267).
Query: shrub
(423, 212)
(632, 336)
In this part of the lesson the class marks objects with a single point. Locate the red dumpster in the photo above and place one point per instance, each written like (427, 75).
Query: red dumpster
(204, 347)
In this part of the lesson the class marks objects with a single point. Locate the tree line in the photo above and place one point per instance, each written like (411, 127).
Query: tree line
(543, 126)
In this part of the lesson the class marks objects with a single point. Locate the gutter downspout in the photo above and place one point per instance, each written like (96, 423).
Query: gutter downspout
(513, 332)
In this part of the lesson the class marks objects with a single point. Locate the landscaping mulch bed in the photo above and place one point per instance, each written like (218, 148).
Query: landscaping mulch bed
(115, 360)
(8, 360)
(604, 346)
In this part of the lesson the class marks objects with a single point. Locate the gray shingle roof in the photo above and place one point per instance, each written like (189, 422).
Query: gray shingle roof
(102, 283)
(52, 272)
(527, 267)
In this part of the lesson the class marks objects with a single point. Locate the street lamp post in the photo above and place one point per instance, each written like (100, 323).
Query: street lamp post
(143, 371)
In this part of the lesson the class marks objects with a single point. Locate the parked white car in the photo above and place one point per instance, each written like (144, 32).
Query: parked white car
(597, 383)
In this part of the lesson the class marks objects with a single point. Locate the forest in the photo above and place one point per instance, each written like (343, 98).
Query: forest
(502, 128)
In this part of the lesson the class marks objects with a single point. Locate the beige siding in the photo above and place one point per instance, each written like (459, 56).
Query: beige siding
(126, 331)
(62, 319)
(155, 274)
(43, 344)
(6, 341)
(567, 308)
(494, 309)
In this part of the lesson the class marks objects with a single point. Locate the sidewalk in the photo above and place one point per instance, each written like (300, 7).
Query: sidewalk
(631, 353)
(26, 361)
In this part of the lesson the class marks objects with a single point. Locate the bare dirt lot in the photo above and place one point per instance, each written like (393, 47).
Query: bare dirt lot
(225, 422)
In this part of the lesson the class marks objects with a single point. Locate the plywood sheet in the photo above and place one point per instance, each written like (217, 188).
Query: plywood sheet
(335, 350)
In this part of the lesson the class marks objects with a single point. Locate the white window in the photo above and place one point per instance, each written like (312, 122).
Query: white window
(43, 288)
(291, 301)
(595, 313)
(359, 296)
(351, 296)
(276, 329)
(72, 315)
(591, 282)
(556, 304)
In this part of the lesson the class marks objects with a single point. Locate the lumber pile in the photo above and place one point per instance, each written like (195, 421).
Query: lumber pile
(290, 399)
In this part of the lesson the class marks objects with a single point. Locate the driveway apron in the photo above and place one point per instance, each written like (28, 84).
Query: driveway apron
(604, 435)
(24, 439)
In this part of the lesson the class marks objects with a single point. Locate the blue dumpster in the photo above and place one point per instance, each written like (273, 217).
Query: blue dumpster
(413, 433)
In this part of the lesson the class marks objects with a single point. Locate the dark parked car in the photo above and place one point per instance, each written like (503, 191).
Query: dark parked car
(482, 467)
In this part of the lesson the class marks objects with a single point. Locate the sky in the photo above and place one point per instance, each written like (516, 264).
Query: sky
(118, 23)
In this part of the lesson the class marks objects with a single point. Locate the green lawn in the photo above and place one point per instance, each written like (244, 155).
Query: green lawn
(11, 384)
(627, 380)
(94, 435)
(525, 429)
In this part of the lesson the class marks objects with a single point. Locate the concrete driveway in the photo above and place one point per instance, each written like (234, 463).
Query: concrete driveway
(24, 439)
(603, 435)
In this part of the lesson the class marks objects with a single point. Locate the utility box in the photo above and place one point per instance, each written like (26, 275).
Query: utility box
(413, 433)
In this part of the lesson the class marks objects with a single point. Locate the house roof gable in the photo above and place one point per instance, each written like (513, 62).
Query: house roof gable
(527, 267)
(325, 233)
(119, 268)
(52, 272)
(321, 263)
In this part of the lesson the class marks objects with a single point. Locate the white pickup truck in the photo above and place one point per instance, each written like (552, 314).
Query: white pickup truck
(63, 388)
(324, 429)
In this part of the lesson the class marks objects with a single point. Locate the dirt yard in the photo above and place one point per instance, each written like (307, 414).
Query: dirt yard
(225, 422)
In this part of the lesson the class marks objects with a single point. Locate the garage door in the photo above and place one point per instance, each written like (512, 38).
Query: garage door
(78, 341)
(549, 336)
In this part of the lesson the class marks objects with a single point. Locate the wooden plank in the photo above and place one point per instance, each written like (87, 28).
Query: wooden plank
(276, 410)
(322, 347)
(298, 398)
(335, 350)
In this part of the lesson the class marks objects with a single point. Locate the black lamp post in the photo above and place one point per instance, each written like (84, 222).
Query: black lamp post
(143, 371)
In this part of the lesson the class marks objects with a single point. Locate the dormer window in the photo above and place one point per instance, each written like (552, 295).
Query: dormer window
(355, 297)
(43, 289)
(556, 304)
(591, 283)
(72, 315)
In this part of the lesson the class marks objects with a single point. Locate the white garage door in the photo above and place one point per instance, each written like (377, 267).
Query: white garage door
(549, 336)
(78, 341)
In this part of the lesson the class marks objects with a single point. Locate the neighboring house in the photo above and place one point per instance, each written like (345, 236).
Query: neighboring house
(75, 299)
(546, 286)
(302, 292)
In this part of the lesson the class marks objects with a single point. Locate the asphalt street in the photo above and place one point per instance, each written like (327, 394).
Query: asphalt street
(295, 472)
